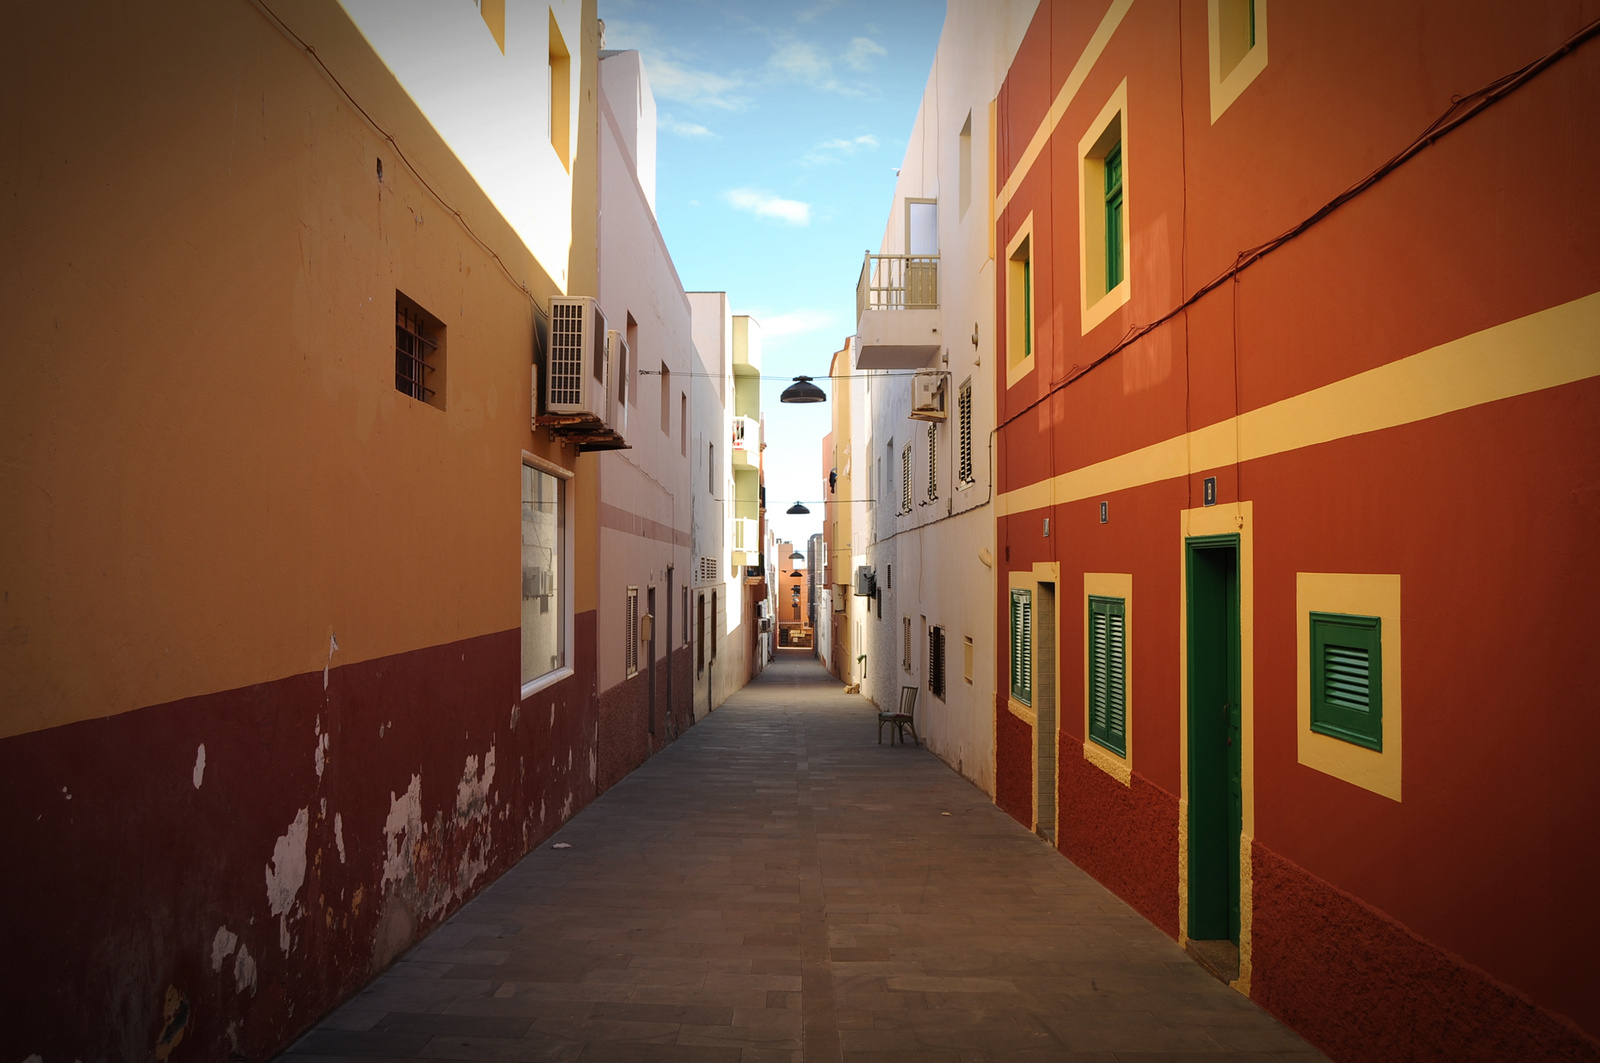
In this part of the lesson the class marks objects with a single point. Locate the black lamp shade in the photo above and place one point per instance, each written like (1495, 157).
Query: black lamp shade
(802, 390)
(797, 510)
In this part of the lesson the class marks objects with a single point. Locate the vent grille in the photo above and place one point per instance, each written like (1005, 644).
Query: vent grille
(1347, 678)
(708, 570)
(566, 354)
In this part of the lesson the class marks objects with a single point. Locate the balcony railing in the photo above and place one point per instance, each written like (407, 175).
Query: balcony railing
(898, 282)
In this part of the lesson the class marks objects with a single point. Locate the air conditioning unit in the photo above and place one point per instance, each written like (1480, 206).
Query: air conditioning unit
(866, 582)
(927, 394)
(618, 375)
(766, 624)
(575, 377)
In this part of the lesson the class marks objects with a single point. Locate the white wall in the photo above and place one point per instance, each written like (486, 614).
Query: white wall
(494, 119)
(939, 579)
(645, 491)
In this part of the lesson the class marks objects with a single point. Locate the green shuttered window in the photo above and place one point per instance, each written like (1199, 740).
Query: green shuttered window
(1022, 646)
(1113, 168)
(1108, 686)
(1347, 678)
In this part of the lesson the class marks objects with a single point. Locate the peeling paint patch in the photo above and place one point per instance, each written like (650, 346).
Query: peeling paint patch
(320, 753)
(333, 647)
(472, 792)
(287, 873)
(199, 765)
(244, 971)
(222, 946)
(338, 834)
(401, 831)
(175, 1020)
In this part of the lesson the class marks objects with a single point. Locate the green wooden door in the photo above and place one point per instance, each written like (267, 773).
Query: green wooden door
(1216, 792)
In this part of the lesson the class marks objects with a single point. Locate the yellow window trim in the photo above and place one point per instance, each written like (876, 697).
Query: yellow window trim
(1227, 87)
(1362, 595)
(1064, 97)
(1018, 367)
(1110, 585)
(1109, 128)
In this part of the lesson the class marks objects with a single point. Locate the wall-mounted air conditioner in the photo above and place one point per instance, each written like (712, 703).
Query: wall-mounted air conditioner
(619, 379)
(928, 388)
(575, 377)
(866, 582)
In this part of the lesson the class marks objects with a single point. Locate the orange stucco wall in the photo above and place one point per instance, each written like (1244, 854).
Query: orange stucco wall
(212, 475)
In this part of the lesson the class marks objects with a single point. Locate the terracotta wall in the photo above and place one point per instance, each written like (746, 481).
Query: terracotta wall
(1406, 389)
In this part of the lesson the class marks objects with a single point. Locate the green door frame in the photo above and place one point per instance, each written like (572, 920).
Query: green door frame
(1216, 799)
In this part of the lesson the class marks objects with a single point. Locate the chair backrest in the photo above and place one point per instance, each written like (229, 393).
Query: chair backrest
(908, 700)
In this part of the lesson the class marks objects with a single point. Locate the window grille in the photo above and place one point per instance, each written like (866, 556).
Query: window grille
(630, 636)
(905, 479)
(905, 639)
(418, 361)
(964, 426)
(936, 662)
(933, 462)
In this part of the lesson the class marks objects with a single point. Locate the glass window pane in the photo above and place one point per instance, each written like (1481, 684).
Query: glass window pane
(543, 549)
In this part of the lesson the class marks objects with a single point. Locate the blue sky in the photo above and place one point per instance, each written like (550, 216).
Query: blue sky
(781, 126)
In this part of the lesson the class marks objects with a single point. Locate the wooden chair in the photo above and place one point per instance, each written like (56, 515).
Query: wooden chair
(900, 719)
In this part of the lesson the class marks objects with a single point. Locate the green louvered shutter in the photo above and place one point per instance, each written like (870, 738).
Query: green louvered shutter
(1108, 704)
(1347, 678)
(1022, 646)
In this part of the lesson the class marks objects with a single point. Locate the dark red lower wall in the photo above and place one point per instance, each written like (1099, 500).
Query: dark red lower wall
(1013, 764)
(1364, 989)
(335, 821)
(1124, 836)
(626, 738)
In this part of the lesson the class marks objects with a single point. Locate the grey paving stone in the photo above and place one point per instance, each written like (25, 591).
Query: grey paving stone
(775, 886)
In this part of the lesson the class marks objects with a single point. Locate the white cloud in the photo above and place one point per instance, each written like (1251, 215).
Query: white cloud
(764, 205)
(684, 129)
(684, 84)
(800, 60)
(861, 51)
(794, 323)
(831, 150)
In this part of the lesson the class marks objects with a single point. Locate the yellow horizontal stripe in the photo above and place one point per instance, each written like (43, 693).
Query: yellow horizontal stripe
(1058, 106)
(1557, 346)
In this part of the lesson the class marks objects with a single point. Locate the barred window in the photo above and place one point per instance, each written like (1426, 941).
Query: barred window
(630, 635)
(936, 662)
(418, 352)
(933, 462)
(905, 479)
(964, 427)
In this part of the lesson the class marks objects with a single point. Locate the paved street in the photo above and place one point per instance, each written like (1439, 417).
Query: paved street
(777, 886)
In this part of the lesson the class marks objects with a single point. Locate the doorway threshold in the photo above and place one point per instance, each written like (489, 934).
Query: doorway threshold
(1220, 958)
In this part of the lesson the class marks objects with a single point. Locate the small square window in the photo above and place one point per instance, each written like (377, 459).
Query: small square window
(418, 352)
(1347, 678)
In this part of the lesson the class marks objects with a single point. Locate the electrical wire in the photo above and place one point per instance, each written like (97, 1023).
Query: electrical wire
(1461, 110)
(284, 28)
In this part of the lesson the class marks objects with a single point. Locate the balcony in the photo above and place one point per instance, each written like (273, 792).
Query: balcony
(746, 443)
(897, 312)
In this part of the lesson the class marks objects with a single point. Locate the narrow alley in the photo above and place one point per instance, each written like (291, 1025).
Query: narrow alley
(778, 886)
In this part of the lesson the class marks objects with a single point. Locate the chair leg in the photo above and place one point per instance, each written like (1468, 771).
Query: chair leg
(880, 733)
(913, 727)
